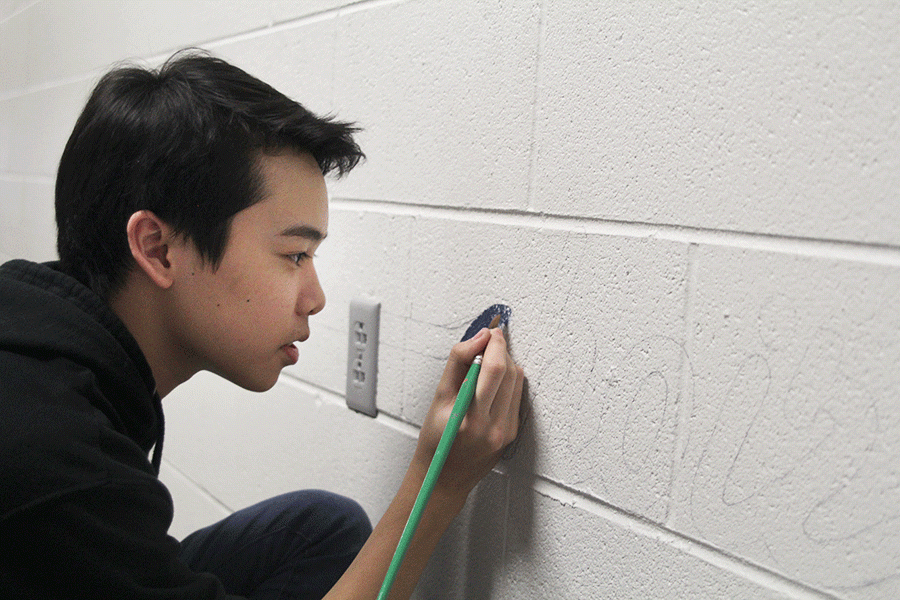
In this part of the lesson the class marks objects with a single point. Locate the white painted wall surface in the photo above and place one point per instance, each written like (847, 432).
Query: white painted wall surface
(693, 210)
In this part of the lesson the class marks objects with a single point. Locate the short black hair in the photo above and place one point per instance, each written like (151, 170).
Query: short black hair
(182, 141)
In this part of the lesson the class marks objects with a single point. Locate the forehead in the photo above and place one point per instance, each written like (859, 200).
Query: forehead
(294, 194)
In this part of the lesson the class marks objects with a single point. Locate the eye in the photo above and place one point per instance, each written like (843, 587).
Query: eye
(299, 257)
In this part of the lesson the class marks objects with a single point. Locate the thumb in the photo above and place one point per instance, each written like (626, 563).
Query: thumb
(461, 357)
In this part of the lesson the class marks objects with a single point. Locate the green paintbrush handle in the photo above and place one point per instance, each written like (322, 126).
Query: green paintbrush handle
(460, 408)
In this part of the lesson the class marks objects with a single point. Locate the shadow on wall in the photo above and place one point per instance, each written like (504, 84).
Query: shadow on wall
(496, 523)
(783, 448)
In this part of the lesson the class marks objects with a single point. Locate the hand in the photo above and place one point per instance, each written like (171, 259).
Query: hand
(492, 421)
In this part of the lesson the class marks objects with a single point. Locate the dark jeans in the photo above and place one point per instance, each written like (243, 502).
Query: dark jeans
(291, 547)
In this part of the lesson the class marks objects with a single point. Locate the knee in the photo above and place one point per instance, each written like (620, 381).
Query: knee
(335, 518)
(351, 519)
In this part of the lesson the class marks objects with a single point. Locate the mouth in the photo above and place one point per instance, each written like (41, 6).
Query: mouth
(290, 349)
(292, 353)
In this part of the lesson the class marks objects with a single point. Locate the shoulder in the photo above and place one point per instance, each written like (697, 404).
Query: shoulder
(53, 436)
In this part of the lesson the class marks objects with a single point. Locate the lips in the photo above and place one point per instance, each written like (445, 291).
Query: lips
(291, 352)
(290, 349)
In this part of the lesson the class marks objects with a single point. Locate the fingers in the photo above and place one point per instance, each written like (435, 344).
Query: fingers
(513, 416)
(493, 371)
(494, 411)
(508, 402)
(492, 421)
(498, 395)
(461, 357)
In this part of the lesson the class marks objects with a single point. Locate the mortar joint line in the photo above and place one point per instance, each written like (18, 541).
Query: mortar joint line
(847, 250)
(11, 177)
(18, 11)
(653, 530)
(203, 491)
(620, 517)
(532, 150)
(299, 21)
(214, 42)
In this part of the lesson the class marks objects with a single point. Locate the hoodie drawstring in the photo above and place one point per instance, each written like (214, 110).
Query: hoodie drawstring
(158, 446)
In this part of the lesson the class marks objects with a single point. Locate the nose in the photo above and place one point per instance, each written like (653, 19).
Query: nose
(312, 296)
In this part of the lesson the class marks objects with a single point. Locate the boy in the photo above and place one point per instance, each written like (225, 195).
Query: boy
(189, 203)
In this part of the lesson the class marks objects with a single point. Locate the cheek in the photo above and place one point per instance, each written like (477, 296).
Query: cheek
(268, 302)
(255, 300)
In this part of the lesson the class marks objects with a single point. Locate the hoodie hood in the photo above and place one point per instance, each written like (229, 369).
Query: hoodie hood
(48, 314)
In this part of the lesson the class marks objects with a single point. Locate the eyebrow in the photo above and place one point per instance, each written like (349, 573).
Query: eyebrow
(304, 231)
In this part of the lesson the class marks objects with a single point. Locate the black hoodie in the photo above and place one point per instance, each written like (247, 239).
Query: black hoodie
(82, 512)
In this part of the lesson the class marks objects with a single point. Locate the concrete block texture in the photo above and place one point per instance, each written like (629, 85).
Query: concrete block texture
(447, 115)
(468, 560)
(287, 59)
(56, 40)
(12, 230)
(27, 225)
(577, 555)
(793, 439)
(574, 324)
(365, 255)
(35, 126)
(746, 117)
(302, 451)
(609, 417)
(692, 210)
(194, 506)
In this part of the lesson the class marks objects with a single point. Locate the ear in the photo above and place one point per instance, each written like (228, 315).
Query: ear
(149, 238)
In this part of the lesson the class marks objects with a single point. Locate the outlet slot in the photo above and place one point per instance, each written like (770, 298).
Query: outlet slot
(362, 355)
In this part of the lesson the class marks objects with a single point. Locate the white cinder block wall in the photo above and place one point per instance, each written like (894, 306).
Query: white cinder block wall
(693, 210)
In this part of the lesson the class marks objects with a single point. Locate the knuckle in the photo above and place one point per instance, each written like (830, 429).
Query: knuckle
(494, 370)
(497, 439)
(458, 350)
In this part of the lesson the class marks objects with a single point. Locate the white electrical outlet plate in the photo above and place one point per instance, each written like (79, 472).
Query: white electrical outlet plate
(362, 355)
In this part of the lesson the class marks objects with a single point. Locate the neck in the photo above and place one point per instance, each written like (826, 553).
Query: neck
(141, 310)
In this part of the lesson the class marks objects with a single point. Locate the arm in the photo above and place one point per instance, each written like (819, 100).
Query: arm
(490, 425)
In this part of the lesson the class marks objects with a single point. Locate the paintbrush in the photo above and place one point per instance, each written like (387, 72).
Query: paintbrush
(460, 408)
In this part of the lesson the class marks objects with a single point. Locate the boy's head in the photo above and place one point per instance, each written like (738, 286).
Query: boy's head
(183, 142)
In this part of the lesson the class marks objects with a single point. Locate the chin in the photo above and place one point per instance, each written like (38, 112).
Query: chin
(253, 382)
(256, 385)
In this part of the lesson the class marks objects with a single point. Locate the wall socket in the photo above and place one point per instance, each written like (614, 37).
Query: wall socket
(362, 355)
